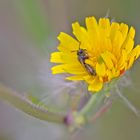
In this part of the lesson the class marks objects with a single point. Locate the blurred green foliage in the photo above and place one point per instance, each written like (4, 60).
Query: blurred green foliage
(34, 20)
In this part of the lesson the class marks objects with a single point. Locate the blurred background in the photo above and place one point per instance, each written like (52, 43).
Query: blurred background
(28, 34)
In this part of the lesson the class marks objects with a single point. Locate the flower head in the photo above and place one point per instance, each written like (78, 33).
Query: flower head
(101, 51)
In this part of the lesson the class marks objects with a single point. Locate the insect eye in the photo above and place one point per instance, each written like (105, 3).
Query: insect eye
(80, 51)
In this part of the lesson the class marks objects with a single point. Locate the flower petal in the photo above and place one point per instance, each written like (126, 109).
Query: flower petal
(67, 43)
(128, 45)
(107, 59)
(57, 69)
(74, 68)
(91, 24)
(135, 53)
(104, 25)
(100, 69)
(56, 57)
(79, 32)
(75, 78)
(93, 33)
(96, 85)
(68, 68)
(129, 42)
(70, 57)
(117, 43)
(114, 28)
(131, 32)
(124, 30)
(122, 60)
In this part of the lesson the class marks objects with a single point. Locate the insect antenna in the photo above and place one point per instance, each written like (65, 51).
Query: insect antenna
(79, 47)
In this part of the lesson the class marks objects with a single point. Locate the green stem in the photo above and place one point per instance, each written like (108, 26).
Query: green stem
(91, 103)
(28, 107)
(94, 99)
(82, 116)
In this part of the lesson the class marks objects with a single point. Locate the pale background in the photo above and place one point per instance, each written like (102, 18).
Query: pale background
(28, 31)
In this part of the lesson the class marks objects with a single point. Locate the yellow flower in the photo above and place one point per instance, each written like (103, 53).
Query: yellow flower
(107, 51)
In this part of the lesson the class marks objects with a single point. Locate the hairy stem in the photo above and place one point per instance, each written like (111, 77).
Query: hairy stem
(28, 107)
(91, 103)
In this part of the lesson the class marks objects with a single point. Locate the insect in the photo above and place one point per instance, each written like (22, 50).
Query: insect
(90, 69)
(82, 56)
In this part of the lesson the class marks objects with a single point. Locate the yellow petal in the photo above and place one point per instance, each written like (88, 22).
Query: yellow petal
(88, 78)
(104, 25)
(106, 44)
(112, 57)
(117, 43)
(79, 31)
(124, 30)
(96, 85)
(115, 73)
(109, 74)
(130, 62)
(74, 68)
(131, 32)
(112, 73)
(90, 62)
(75, 78)
(63, 57)
(58, 69)
(114, 28)
(67, 43)
(116, 38)
(100, 69)
(128, 45)
(107, 59)
(135, 53)
(91, 24)
(129, 42)
(70, 57)
(122, 60)
(56, 57)
(68, 68)
(93, 34)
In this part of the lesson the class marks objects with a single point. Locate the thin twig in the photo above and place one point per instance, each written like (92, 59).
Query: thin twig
(101, 111)
(28, 107)
(128, 103)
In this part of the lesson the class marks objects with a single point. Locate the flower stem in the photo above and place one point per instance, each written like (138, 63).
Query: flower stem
(92, 101)
(28, 107)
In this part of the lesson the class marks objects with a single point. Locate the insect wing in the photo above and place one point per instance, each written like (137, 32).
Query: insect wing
(90, 70)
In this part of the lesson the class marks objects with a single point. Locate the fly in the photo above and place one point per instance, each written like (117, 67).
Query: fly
(82, 56)
(90, 69)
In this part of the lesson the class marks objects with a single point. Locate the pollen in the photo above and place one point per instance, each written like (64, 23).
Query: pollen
(103, 47)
